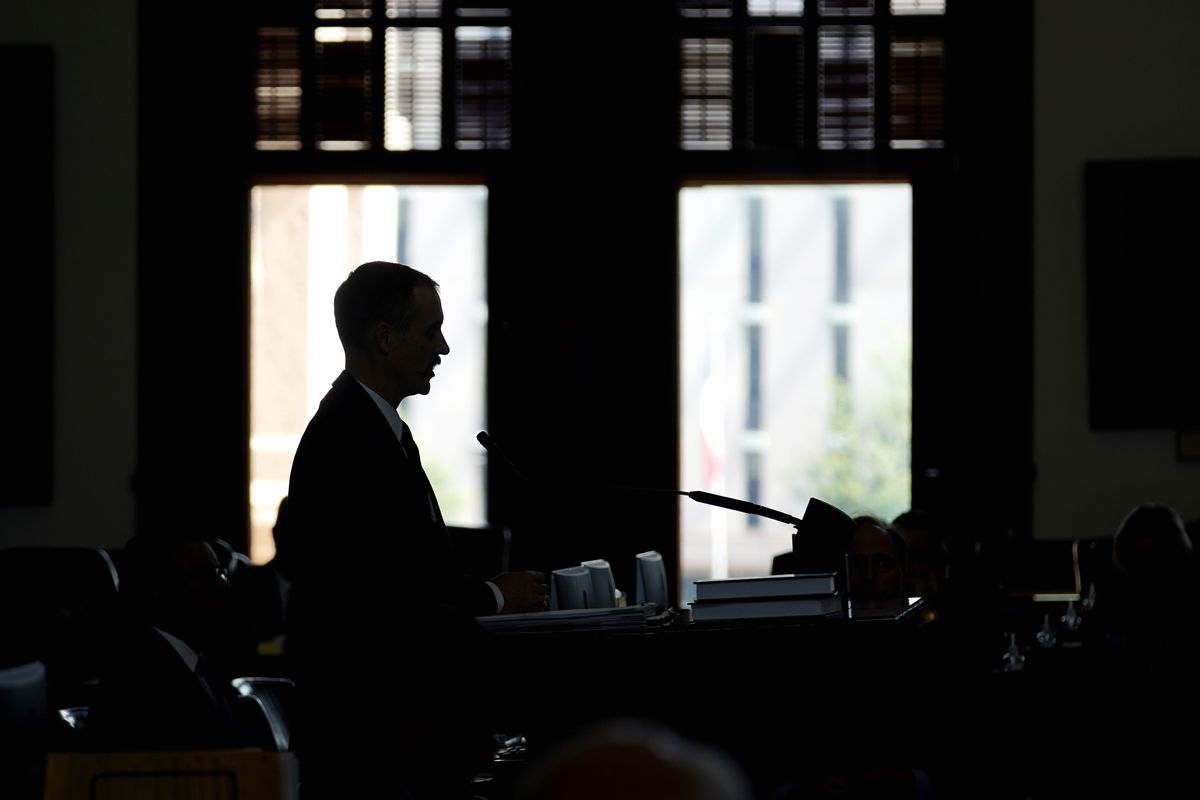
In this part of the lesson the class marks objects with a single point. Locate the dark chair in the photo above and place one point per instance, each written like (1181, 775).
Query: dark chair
(272, 697)
(56, 604)
(24, 729)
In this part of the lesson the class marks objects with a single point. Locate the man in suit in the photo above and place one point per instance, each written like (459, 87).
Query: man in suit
(165, 681)
(380, 620)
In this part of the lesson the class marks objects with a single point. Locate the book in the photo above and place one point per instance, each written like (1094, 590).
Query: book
(795, 585)
(639, 616)
(766, 608)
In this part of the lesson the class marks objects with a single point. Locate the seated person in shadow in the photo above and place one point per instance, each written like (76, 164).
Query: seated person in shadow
(279, 568)
(877, 561)
(165, 685)
(262, 589)
(281, 562)
(1150, 601)
(634, 760)
(927, 552)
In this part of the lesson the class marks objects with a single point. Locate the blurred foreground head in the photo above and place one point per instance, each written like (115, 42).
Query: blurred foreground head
(633, 760)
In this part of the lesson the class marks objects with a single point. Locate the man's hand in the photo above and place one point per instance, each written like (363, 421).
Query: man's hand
(523, 591)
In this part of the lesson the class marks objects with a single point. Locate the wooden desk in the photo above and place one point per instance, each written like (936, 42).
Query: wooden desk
(786, 698)
(763, 690)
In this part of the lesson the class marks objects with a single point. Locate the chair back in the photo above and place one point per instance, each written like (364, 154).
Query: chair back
(24, 723)
(273, 697)
(55, 607)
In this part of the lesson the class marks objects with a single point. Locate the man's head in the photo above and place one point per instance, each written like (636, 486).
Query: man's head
(633, 759)
(876, 561)
(177, 583)
(389, 318)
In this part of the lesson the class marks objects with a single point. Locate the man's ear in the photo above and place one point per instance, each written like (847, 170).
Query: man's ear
(381, 338)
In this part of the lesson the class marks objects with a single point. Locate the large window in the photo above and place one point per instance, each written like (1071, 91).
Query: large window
(795, 301)
(795, 350)
(304, 240)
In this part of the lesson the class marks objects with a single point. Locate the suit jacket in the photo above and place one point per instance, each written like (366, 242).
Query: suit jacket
(148, 698)
(381, 633)
(368, 546)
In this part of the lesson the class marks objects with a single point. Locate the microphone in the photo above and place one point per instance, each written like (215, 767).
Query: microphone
(489, 444)
(745, 506)
(816, 544)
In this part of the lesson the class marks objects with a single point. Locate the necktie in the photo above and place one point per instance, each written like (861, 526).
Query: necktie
(409, 445)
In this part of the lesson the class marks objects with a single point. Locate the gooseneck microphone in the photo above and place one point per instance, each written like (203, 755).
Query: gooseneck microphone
(489, 444)
(708, 498)
(818, 545)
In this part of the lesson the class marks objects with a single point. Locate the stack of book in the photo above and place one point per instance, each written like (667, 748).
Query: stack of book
(812, 594)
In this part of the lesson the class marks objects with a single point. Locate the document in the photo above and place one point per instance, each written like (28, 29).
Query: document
(774, 607)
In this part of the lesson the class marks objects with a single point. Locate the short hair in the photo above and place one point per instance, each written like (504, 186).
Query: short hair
(892, 532)
(374, 292)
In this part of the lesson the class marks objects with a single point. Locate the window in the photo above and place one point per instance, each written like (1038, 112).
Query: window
(795, 350)
(349, 78)
(814, 75)
(304, 240)
(757, 89)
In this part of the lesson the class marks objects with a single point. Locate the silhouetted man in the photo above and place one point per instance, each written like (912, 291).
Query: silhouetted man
(390, 666)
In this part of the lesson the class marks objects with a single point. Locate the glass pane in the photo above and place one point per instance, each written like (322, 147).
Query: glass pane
(277, 89)
(846, 8)
(775, 88)
(484, 88)
(774, 8)
(343, 90)
(304, 241)
(484, 11)
(918, 92)
(707, 91)
(706, 9)
(413, 91)
(901, 7)
(413, 8)
(795, 332)
(343, 9)
(846, 103)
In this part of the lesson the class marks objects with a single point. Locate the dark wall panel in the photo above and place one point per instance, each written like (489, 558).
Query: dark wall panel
(27, 276)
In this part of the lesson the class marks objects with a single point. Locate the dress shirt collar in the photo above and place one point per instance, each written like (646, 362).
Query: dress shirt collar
(389, 412)
(188, 655)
